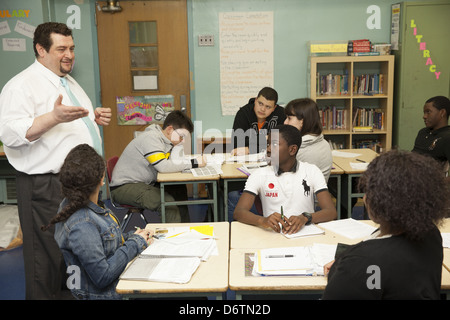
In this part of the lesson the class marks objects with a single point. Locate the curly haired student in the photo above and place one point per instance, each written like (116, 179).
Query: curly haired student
(404, 194)
(88, 235)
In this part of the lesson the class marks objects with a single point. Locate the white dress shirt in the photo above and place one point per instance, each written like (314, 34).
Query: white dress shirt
(32, 93)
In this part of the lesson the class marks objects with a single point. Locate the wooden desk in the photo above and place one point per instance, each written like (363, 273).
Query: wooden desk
(187, 178)
(246, 239)
(244, 236)
(348, 194)
(211, 277)
(445, 228)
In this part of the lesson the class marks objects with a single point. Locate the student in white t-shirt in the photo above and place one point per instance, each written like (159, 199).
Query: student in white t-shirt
(286, 183)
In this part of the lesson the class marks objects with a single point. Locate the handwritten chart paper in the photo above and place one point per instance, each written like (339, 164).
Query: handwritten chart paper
(246, 57)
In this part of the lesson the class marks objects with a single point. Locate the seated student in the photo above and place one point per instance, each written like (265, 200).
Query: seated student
(134, 176)
(404, 194)
(286, 183)
(253, 122)
(434, 139)
(304, 115)
(88, 235)
(251, 125)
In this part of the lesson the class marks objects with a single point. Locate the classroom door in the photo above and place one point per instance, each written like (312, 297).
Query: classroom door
(143, 51)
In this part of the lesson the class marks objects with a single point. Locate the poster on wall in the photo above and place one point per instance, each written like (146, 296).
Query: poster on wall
(142, 110)
(246, 57)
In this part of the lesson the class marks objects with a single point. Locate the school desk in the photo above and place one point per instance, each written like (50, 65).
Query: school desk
(350, 173)
(184, 178)
(246, 239)
(210, 279)
(248, 236)
(445, 228)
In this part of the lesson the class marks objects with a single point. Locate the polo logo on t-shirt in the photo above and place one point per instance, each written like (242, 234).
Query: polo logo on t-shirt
(306, 188)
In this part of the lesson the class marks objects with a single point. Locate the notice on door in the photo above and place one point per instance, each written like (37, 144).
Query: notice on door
(246, 57)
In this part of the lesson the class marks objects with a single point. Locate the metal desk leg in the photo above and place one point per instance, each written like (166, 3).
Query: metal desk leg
(163, 203)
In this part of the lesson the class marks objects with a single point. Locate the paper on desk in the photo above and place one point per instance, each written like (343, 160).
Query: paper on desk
(309, 230)
(337, 153)
(359, 165)
(194, 241)
(293, 261)
(254, 157)
(178, 270)
(283, 261)
(349, 228)
(445, 240)
(209, 170)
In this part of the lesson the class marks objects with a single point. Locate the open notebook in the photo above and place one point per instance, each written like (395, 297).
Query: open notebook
(175, 256)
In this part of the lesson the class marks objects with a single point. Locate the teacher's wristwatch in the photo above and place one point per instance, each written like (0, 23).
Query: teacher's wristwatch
(308, 217)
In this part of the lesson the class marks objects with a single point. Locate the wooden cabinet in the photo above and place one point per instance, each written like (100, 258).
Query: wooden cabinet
(354, 92)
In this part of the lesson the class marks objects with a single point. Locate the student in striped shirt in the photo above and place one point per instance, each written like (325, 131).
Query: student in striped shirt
(157, 149)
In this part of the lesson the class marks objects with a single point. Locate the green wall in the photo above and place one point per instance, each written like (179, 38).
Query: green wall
(295, 23)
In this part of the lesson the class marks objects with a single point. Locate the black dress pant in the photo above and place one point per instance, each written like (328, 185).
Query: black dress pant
(38, 198)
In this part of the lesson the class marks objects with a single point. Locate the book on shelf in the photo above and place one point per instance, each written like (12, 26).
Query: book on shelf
(332, 84)
(368, 84)
(333, 117)
(368, 117)
(373, 144)
(363, 129)
(359, 46)
(358, 54)
(335, 145)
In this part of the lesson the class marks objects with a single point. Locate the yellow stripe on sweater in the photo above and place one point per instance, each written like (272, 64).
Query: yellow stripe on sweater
(153, 158)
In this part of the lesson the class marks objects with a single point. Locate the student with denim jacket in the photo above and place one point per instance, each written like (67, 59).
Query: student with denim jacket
(89, 236)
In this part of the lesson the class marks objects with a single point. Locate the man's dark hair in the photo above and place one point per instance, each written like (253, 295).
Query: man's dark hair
(269, 94)
(43, 32)
(178, 120)
(441, 102)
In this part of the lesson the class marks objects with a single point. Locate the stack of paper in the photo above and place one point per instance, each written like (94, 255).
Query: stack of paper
(309, 230)
(293, 261)
(178, 270)
(254, 157)
(349, 228)
(250, 168)
(174, 256)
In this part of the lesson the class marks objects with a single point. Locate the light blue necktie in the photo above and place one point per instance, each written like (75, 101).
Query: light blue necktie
(87, 121)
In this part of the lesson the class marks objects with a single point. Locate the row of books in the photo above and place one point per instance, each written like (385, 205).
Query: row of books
(373, 144)
(332, 84)
(338, 84)
(333, 117)
(361, 47)
(368, 84)
(368, 117)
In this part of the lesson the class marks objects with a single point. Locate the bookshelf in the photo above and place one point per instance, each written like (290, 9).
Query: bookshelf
(354, 92)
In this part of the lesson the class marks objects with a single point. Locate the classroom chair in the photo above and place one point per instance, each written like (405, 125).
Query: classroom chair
(110, 164)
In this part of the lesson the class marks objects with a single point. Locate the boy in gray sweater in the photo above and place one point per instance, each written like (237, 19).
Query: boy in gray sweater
(155, 150)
